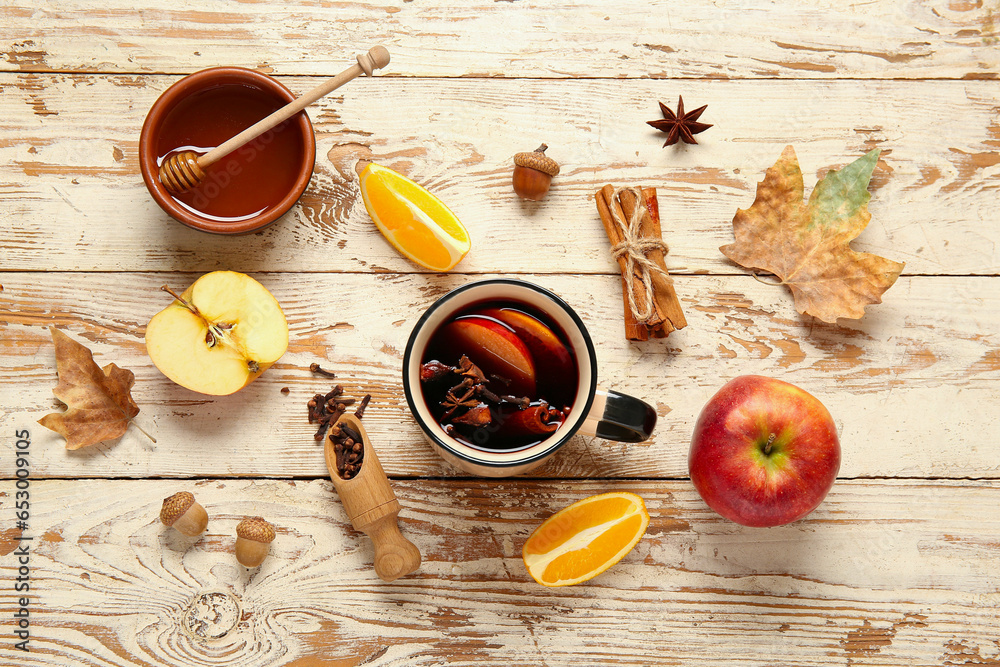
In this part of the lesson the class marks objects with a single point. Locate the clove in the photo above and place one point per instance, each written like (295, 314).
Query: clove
(326, 409)
(360, 412)
(316, 368)
(349, 450)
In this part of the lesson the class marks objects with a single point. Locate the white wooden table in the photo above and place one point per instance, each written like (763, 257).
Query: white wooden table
(898, 566)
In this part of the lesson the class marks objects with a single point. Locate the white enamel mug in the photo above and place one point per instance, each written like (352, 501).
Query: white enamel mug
(595, 411)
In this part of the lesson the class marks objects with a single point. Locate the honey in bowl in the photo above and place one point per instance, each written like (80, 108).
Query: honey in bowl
(251, 179)
(499, 376)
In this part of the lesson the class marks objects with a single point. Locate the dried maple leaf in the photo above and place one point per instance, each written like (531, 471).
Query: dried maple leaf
(807, 246)
(99, 402)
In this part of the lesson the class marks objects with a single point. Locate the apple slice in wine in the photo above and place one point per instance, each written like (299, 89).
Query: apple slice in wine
(555, 367)
(495, 348)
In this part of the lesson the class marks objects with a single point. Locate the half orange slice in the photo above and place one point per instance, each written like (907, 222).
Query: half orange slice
(585, 539)
(413, 220)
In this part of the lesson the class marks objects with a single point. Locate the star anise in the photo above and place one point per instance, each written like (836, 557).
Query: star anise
(680, 125)
(468, 401)
(462, 395)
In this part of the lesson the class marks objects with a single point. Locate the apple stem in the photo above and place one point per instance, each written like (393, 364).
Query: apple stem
(770, 441)
(184, 302)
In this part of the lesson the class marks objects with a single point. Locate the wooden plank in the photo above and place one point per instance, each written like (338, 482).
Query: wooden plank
(75, 201)
(912, 386)
(525, 39)
(882, 573)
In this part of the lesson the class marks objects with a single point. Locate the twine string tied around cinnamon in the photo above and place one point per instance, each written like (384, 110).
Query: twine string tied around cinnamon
(634, 248)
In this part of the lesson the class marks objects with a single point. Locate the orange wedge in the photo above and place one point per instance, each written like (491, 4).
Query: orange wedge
(586, 538)
(413, 220)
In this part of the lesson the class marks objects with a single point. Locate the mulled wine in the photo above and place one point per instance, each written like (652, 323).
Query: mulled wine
(499, 376)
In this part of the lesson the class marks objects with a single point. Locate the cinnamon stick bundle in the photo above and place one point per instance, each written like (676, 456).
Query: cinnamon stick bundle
(664, 310)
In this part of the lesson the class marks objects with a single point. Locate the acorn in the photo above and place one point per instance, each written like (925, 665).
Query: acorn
(253, 540)
(182, 511)
(533, 173)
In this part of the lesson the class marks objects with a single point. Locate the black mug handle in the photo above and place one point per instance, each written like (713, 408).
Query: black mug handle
(617, 416)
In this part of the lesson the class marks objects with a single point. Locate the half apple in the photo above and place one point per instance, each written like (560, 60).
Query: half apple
(219, 335)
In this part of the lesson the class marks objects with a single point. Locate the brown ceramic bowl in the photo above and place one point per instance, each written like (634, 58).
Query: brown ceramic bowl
(188, 113)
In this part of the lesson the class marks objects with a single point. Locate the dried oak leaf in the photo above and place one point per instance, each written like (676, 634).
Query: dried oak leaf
(807, 246)
(99, 403)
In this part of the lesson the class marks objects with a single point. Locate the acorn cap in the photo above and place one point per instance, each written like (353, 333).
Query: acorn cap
(256, 529)
(175, 506)
(538, 160)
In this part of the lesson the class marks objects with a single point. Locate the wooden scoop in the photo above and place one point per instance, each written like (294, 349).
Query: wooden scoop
(372, 507)
(186, 169)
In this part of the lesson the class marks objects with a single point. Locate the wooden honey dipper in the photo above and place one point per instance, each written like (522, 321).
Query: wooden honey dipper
(371, 505)
(185, 170)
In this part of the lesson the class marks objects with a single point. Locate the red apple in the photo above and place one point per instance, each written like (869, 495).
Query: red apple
(764, 452)
(495, 348)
